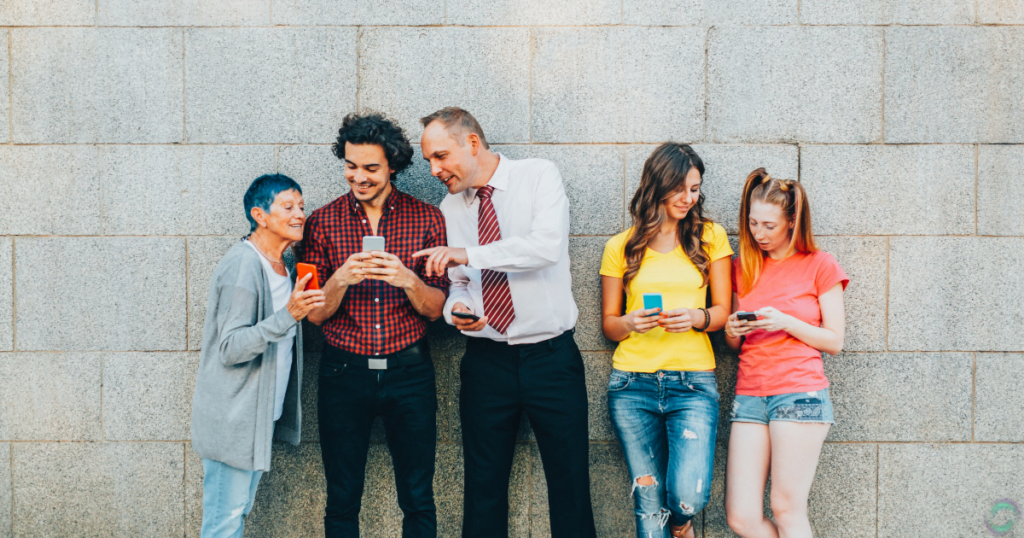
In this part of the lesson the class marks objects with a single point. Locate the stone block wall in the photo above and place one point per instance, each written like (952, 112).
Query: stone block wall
(129, 130)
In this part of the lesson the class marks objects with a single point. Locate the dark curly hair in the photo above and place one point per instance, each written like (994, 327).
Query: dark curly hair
(376, 129)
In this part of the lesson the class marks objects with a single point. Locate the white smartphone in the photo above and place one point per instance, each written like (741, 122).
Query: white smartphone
(373, 242)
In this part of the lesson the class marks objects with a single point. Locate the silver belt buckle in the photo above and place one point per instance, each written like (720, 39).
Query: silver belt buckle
(377, 364)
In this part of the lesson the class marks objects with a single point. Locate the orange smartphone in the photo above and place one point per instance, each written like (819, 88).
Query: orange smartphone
(302, 269)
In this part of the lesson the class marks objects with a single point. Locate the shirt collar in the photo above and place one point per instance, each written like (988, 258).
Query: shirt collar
(392, 202)
(499, 180)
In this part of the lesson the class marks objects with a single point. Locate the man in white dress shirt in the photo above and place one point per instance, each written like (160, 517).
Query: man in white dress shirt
(508, 260)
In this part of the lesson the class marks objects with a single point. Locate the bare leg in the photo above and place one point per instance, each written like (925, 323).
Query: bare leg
(796, 447)
(750, 453)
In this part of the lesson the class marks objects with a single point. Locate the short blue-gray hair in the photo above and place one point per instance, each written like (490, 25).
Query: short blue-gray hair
(263, 191)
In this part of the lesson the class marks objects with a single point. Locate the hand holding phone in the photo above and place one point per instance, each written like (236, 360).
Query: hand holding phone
(303, 269)
(465, 315)
(747, 316)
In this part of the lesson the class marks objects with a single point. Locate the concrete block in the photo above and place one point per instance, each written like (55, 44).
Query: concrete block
(890, 190)
(169, 190)
(795, 84)
(585, 253)
(5, 489)
(106, 85)
(184, 13)
(655, 91)
(933, 405)
(725, 171)
(96, 294)
(51, 397)
(997, 403)
(906, 12)
(204, 253)
(6, 294)
(948, 489)
(291, 497)
(359, 12)
(317, 170)
(1000, 12)
(932, 278)
(598, 367)
(48, 13)
(710, 13)
(863, 260)
(954, 85)
(1000, 183)
(193, 492)
(842, 499)
(398, 75)
(610, 487)
(268, 85)
(51, 190)
(534, 13)
(592, 176)
(105, 489)
(148, 396)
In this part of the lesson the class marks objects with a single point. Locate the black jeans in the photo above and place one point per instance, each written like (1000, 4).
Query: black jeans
(546, 380)
(350, 397)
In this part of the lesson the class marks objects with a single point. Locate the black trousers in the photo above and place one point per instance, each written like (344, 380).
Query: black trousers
(349, 399)
(546, 381)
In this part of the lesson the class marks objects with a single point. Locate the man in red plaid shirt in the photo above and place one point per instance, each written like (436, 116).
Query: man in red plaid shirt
(376, 361)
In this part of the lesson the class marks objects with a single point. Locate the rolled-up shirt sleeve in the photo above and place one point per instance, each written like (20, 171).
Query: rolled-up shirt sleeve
(549, 232)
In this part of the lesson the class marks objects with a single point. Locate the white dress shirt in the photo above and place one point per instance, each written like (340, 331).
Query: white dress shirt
(533, 214)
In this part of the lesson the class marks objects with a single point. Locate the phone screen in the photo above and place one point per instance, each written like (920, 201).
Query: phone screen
(653, 300)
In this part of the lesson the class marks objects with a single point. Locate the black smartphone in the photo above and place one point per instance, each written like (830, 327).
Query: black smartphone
(746, 316)
(465, 315)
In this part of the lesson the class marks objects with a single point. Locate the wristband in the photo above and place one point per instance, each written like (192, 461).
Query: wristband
(707, 320)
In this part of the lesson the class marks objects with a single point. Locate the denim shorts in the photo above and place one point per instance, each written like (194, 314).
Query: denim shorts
(814, 407)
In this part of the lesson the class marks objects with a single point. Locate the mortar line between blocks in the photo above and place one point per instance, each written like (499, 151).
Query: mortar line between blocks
(103, 427)
(878, 471)
(184, 93)
(188, 297)
(184, 489)
(10, 87)
(974, 390)
(14, 297)
(10, 455)
(977, 157)
(529, 111)
(359, 70)
(884, 30)
(888, 255)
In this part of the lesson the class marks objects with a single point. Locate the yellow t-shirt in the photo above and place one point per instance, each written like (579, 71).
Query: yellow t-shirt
(678, 281)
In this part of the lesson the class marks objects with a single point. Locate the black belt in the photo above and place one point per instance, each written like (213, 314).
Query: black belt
(409, 356)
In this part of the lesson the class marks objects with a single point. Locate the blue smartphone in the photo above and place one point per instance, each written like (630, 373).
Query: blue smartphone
(653, 300)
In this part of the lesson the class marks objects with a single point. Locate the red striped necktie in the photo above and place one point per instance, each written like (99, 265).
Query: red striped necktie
(497, 295)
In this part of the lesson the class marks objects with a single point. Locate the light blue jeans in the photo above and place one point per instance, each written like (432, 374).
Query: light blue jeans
(666, 422)
(228, 494)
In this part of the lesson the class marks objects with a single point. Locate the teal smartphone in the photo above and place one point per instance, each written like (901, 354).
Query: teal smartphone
(653, 300)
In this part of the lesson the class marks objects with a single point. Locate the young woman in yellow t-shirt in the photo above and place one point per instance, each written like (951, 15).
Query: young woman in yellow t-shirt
(662, 394)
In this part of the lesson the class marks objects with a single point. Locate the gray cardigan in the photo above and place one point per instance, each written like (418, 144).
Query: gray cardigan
(233, 403)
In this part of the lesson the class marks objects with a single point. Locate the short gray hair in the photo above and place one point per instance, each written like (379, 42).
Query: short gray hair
(457, 121)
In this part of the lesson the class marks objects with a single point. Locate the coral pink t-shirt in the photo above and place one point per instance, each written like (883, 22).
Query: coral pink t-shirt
(773, 363)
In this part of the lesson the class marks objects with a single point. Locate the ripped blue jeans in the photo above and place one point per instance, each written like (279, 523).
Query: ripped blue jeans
(666, 422)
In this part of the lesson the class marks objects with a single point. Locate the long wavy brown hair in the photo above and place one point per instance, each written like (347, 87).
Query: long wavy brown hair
(789, 196)
(664, 175)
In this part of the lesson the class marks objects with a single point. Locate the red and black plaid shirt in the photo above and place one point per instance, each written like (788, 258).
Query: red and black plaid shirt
(374, 317)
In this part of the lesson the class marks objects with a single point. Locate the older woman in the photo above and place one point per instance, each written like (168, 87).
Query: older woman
(247, 387)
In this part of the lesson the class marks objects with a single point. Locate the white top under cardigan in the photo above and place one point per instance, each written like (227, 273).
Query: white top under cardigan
(533, 214)
(281, 290)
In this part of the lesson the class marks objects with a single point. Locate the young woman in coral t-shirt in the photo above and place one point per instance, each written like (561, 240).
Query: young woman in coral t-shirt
(782, 411)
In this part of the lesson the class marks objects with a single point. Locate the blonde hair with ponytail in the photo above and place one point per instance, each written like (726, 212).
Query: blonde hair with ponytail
(789, 196)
